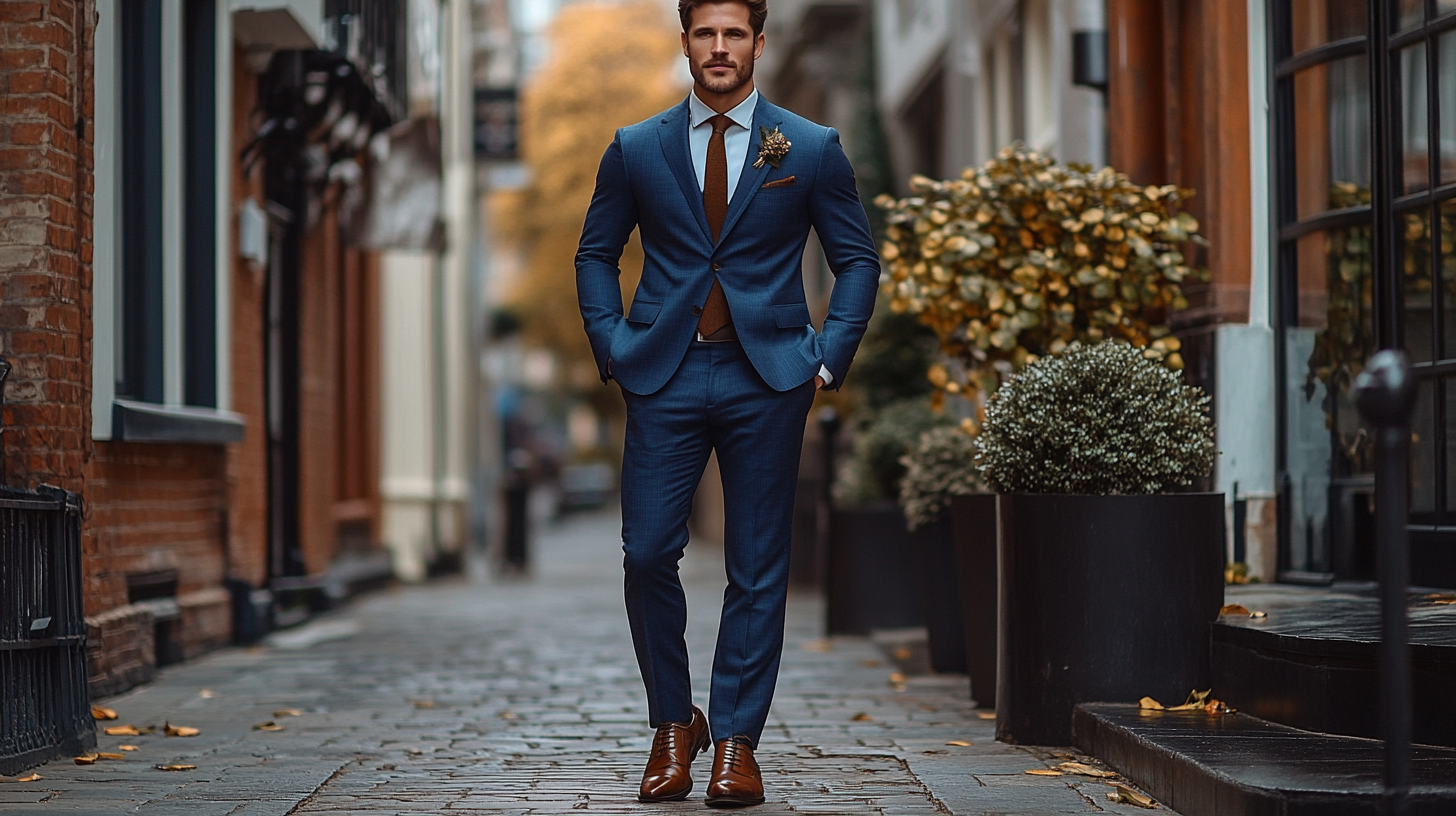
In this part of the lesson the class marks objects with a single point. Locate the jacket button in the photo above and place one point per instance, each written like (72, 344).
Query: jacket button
(716, 267)
(697, 310)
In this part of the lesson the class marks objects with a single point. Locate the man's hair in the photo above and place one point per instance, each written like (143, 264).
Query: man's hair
(757, 12)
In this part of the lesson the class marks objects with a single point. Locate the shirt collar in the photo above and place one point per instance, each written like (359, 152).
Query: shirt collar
(742, 115)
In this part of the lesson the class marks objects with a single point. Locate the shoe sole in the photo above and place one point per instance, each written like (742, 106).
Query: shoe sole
(733, 803)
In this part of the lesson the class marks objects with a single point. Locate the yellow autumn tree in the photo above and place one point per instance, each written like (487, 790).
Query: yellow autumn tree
(610, 65)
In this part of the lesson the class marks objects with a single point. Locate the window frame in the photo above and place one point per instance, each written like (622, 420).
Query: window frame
(170, 418)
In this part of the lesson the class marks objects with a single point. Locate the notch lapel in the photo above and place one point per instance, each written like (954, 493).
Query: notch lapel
(765, 114)
(672, 134)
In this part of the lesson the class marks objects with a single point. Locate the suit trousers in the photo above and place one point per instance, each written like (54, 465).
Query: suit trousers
(715, 401)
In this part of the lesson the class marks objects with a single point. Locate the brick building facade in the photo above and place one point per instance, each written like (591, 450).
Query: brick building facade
(172, 452)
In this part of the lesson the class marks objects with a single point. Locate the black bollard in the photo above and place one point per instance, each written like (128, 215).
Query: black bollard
(829, 435)
(1385, 395)
(518, 499)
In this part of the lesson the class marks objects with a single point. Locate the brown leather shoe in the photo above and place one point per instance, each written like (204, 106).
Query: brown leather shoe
(666, 778)
(736, 780)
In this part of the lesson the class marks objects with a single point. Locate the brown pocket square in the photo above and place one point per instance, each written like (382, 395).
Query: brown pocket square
(786, 181)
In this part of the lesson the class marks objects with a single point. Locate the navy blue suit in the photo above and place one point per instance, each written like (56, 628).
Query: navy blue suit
(746, 400)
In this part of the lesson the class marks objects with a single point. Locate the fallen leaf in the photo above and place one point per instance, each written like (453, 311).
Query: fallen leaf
(509, 715)
(924, 707)
(961, 743)
(1234, 609)
(179, 730)
(1217, 707)
(99, 713)
(896, 677)
(86, 759)
(109, 755)
(1127, 796)
(1149, 704)
(1085, 770)
(820, 645)
(861, 717)
(176, 767)
(872, 664)
(123, 731)
(986, 715)
(1043, 772)
(206, 694)
(267, 726)
(1257, 615)
(288, 712)
(30, 777)
(1196, 699)
(1442, 598)
(128, 747)
(901, 653)
(424, 703)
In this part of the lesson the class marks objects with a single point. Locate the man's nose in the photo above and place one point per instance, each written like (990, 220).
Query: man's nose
(720, 44)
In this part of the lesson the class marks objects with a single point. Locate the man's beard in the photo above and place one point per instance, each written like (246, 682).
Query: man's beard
(742, 74)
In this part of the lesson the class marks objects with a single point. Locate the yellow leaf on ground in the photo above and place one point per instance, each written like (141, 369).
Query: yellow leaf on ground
(901, 653)
(872, 664)
(86, 759)
(897, 677)
(99, 713)
(1218, 707)
(1196, 699)
(179, 730)
(960, 743)
(1127, 796)
(424, 703)
(1258, 615)
(206, 694)
(986, 715)
(30, 777)
(1442, 598)
(1085, 770)
(176, 767)
(861, 717)
(1150, 704)
(109, 755)
(509, 715)
(128, 747)
(1234, 609)
(267, 726)
(1043, 772)
(816, 645)
(122, 731)
(288, 712)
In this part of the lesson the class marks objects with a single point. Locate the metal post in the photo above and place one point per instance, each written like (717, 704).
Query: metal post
(828, 435)
(4, 375)
(1385, 395)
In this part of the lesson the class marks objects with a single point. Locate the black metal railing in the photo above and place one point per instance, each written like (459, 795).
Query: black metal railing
(45, 708)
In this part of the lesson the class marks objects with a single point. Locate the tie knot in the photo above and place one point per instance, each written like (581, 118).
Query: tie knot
(720, 122)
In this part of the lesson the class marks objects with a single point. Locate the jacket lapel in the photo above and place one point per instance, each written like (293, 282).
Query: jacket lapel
(672, 133)
(766, 115)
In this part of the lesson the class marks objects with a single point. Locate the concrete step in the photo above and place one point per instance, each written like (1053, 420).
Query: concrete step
(1240, 765)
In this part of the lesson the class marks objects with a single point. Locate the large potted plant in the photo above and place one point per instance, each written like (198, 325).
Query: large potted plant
(1108, 581)
(938, 468)
(873, 580)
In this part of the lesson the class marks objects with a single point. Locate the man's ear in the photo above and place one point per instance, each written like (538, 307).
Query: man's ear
(757, 45)
(685, 45)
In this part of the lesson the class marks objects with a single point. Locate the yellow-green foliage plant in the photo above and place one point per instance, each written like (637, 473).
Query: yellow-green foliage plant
(1021, 257)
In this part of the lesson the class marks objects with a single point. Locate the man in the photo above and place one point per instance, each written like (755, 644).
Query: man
(717, 354)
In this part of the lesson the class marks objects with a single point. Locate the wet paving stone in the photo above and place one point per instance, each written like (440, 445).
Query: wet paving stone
(521, 696)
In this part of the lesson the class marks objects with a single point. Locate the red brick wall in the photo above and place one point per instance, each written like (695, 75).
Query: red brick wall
(319, 297)
(247, 461)
(45, 238)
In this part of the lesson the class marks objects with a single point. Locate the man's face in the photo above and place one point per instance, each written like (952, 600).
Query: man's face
(721, 47)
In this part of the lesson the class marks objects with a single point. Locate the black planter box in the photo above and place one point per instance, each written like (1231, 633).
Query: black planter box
(1102, 599)
(973, 525)
(940, 596)
(873, 579)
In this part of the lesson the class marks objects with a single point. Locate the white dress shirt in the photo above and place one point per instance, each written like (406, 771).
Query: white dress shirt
(735, 145)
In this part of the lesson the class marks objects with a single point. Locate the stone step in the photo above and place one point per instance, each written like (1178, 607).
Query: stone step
(1240, 765)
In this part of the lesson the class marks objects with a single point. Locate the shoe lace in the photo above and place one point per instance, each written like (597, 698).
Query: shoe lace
(733, 753)
(667, 736)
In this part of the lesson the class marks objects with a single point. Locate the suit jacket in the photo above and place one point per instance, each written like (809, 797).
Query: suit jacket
(646, 180)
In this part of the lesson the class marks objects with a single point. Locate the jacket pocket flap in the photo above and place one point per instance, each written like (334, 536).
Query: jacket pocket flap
(791, 315)
(644, 311)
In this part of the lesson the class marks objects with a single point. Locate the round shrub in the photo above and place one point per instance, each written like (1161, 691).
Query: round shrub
(1095, 420)
(874, 471)
(941, 465)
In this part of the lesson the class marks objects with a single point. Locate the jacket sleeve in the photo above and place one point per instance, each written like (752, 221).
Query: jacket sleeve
(844, 231)
(609, 223)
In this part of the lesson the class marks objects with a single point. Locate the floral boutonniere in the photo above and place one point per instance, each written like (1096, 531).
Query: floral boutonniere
(773, 146)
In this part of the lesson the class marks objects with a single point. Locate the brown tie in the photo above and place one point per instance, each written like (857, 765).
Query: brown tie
(715, 317)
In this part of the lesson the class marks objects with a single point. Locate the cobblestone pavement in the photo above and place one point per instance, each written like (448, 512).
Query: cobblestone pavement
(521, 696)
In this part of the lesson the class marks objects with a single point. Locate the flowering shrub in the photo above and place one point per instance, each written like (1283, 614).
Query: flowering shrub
(939, 466)
(1095, 420)
(1022, 256)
